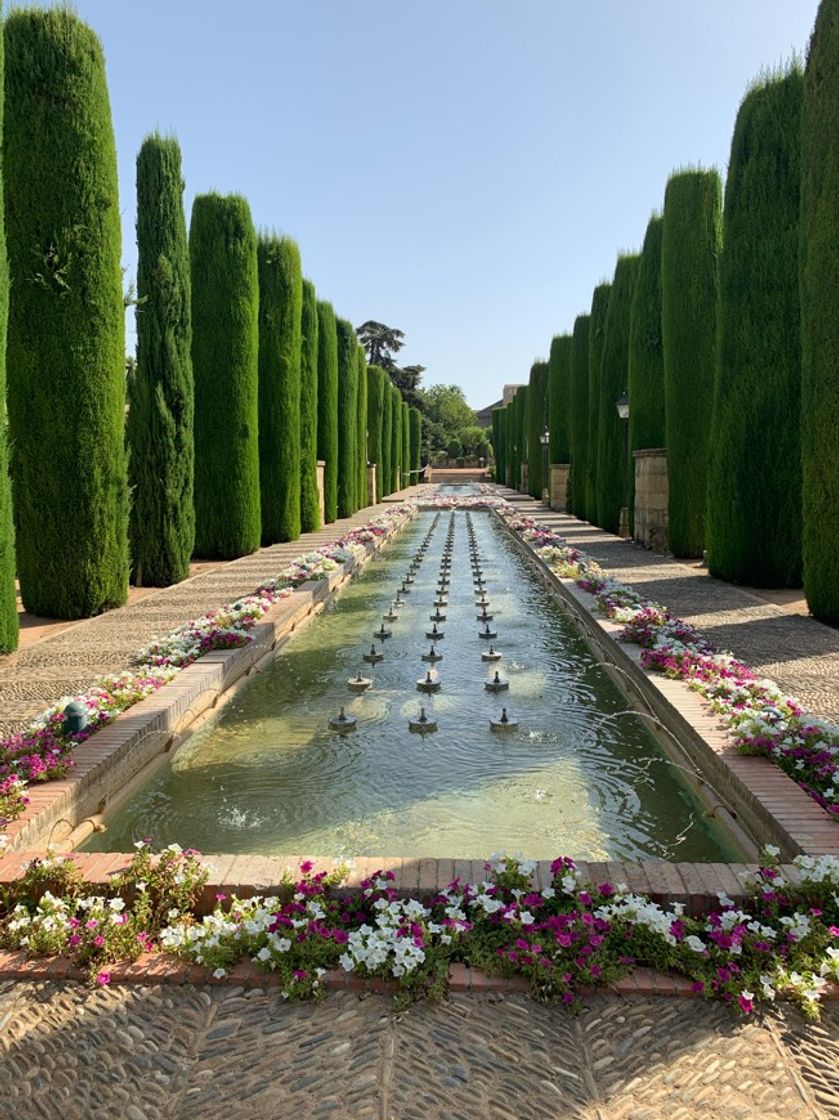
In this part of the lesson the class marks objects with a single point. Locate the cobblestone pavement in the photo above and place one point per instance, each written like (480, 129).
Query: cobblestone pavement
(154, 1053)
(798, 652)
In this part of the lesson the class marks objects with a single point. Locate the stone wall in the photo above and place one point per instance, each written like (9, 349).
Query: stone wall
(371, 484)
(559, 486)
(651, 498)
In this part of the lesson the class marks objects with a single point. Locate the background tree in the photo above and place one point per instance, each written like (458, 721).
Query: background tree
(596, 339)
(375, 393)
(66, 351)
(380, 343)
(362, 498)
(559, 398)
(310, 520)
(347, 418)
(445, 414)
(225, 362)
(472, 437)
(407, 379)
(689, 256)
(8, 603)
(159, 424)
(328, 407)
(753, 526)
(454, 449)
(579, 415)
(535, 421)
(819, 301)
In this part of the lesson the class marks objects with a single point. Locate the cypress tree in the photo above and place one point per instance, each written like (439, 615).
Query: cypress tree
(559, 398)
(522, 455)
(225, 362)
(578, 425)
(689, 259)
(347, 418)
(819, 303)
(416, 444)
(375, 389)
(387, 437)
(159, 425)
(496, 444)
(362, 451)
(754, 517)
(8, 604)
(66, 352)
(396, 439)
(596, 339)
(309, 500)
(406, 444)
(614, 375)
(328, 407)
(536, 415)
(280, 317)
(646, 367)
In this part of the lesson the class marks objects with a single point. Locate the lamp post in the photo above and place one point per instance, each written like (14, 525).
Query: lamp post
(622, 405)
(545, 439)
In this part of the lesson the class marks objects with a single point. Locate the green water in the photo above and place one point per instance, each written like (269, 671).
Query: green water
(268, 776)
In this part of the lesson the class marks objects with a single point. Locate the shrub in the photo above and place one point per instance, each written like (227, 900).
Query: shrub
(8, 603)
(328, 407)
(310, 519)
(689, 258)
(578, 425)
(65, 348)
(225, 362)
(536, 415)
(347, 418)
(559, 398)
(596, 339)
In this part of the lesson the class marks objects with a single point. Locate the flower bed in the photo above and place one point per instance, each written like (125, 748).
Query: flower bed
(565, 939)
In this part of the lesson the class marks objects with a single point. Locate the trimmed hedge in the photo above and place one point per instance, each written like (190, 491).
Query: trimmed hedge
(328, 407)
(596, 339)
(362, 498)
(161, 396)
(387, 436)
(559, 398)
(280, 315)
(8, 603)
(375, 391)
(225, 362)
(406, 445)
(65, 350)
(347, 418)
(614, 378)
(689, 262)
(396, 439)
(646, 364)
(416, 444)
(819, 303)
(498, 443)
(522, 450)
(536, 415)
(578, 425)
(754, 516)
(310, 519)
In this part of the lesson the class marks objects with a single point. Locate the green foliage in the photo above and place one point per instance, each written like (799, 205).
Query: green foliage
(406, 444)
(754, 516)
(536, 417)
(347, 418)
(225, 362)
(396, 439)
(614, 374)
(559, 398)
(596, 340)
(498, 416)
(280, 317)
(375, 393)
(309, 500)
(159, 425)
(472, 437)
(522, 450)
(328, 407)
(362, 453)
(8, 604)
(66, 349)
(578, 424)
(416, 444)
(445, 414)
(819, 303)
(646, 365)
(387, 437)
(689, 261)
(454, 449)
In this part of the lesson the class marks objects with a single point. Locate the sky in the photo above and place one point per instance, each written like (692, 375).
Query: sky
(464, 170)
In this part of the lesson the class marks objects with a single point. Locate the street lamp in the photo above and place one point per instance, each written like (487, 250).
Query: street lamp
(622, 405)
(545, 439)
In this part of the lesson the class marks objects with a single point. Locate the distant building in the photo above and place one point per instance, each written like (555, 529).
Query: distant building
(483, 416)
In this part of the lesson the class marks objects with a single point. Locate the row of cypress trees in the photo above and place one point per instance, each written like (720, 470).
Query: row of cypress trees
(723, 331)
(243, 379)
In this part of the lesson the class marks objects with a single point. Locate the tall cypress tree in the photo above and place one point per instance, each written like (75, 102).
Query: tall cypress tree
(396, 439)
(819, 301)
(347, 418)
(8, 604)
(387, 437)
(578, 426)
(614, 379)
(754, 517)
(362, 450)
(689, 260)
(328, 407)
(536, 416)
(523, 453)
(406, 444)
(159, 425)
(559, 398)
(225, 362)
(375, 390)
(66, 352)
(646, 365)
(310, 520)
(416, 444)
(280, 317)
(497, 421)
(596, 339)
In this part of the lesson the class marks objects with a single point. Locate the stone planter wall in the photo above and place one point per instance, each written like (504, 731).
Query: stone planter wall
(651, 498)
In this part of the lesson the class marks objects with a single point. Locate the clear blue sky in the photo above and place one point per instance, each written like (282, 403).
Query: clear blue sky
(465, 170)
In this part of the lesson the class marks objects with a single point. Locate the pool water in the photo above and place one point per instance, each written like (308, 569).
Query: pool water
(578, 777)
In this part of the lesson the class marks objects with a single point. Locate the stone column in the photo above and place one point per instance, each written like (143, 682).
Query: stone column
(321, 506)
(371, 483)
(651, 498)
(523, 488)
(558, 495)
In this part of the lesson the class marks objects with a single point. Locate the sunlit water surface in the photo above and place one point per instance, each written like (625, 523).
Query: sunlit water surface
(268, 776)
